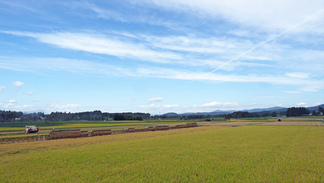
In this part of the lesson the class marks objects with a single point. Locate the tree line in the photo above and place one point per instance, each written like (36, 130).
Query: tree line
(97, 115)
(302, 111)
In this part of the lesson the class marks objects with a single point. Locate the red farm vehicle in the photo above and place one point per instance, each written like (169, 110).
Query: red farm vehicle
(31, 129)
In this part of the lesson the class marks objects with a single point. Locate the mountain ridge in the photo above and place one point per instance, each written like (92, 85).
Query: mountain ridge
(256, 110)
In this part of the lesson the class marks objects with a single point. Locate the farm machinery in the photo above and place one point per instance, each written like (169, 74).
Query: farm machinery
(31, 129)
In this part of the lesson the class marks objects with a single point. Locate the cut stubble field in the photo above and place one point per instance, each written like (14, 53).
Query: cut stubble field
(263, 123)
(204, 154)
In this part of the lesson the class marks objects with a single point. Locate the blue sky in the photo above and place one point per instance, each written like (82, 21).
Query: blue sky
(160, 56)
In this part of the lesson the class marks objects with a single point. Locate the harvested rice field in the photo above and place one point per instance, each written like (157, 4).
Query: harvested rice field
(265, 123)
(291, 123)
(229, 123)
(204, 154)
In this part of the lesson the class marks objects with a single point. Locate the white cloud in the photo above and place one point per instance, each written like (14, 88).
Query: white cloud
(171, 106)
(220, 105)
(181, 50)
(302, 104)
(104, 13)
(272, 15)
(256, 41)
(298, 75)
(9, 105)
(100, 44)
(194, 44)
(221, 53)
(120, 15)
(152, 107)
(63, 108)
(208, 107)
(163, 107)
(117, 110)
(31, 93)
(26, 106)
(292, 92)
(12, 101)
(303, 83)
(17, 84)
(61, 64)
(157, 99)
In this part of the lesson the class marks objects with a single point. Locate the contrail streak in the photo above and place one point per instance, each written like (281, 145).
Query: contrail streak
(259, 45)
(264, 42)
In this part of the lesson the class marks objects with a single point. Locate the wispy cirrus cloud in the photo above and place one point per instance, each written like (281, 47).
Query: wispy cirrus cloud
(215, 53)
(272, 15)
(217, 43)
(121, 13)
(189, 75)
(298, 75)
(43, 65)
(168, 50)
(22, 6)
(104, 13)
(89, 67)
(292, 92)
(101, 44)
(309, 85)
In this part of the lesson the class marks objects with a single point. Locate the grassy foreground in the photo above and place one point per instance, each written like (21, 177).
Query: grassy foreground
(205, 154)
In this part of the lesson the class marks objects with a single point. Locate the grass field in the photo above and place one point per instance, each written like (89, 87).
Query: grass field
(204, 154)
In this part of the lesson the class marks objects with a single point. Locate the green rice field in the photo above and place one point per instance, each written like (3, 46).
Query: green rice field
(202, 154)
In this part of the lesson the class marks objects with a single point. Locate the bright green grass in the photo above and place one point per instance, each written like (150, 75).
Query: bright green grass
(206, 154)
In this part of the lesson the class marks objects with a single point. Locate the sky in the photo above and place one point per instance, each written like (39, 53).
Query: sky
(160, 56)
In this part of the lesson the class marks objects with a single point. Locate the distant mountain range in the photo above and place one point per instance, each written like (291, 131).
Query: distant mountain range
(217, 112)
(315, 108)
(271, 109)
(257, 110)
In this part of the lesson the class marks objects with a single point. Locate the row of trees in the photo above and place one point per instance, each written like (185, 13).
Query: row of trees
(293, 111)
(6, 116)
(302, 111)
(96, 116)
(130, 116)
(297, 111)
(237, 115)
(319, 112)
(10, 116)
(244, 114)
